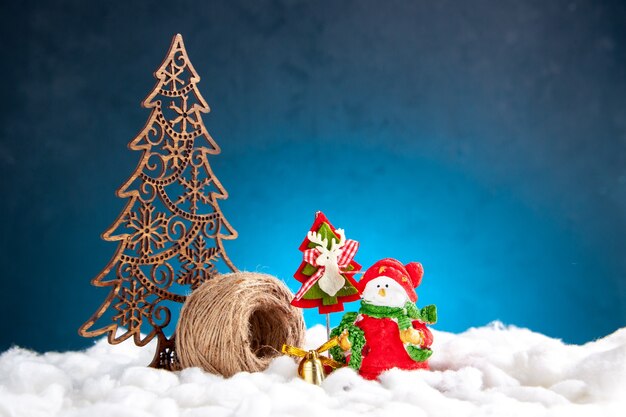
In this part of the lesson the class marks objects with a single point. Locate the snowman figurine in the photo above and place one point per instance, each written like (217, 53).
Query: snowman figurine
(389, 331)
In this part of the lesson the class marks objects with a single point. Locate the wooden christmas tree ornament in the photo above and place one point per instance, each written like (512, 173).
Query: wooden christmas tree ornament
(170, 233)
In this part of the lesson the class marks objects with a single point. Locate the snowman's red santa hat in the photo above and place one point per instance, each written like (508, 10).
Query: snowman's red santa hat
(408, 276)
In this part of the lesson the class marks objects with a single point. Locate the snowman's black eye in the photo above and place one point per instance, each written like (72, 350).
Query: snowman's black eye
(378, 286)
(386, 285)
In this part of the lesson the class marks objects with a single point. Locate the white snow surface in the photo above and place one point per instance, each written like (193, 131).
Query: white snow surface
(492, 370)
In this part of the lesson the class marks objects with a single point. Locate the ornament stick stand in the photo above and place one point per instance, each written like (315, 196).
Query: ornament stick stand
(328, 326)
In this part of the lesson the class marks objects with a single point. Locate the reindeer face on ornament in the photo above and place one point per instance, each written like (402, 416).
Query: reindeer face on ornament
(332, 280)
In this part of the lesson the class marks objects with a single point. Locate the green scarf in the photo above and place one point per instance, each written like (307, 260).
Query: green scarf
(404, 315)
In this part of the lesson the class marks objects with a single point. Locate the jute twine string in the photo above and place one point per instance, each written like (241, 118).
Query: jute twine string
(237, 322)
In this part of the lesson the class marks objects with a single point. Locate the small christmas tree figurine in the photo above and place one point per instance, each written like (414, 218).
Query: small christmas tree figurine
(170, 232)
(327, 268)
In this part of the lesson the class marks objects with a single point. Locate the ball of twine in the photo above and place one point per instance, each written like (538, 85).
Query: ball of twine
(237, 322)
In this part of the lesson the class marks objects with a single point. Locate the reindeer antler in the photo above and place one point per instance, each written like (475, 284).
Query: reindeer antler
(342, 240)
(317, 238)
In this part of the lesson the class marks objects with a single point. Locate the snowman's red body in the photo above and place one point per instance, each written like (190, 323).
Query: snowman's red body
(389, 330)
(384, 350)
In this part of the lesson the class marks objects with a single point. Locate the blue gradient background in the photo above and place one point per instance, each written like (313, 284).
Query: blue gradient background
(486, 140)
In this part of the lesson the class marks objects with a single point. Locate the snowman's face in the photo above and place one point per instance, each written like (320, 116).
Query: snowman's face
(384, 291)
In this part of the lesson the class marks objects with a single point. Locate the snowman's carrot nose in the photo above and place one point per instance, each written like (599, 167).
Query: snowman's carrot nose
(381, 292)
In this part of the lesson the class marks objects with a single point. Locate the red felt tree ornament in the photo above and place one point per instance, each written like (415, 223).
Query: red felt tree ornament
(327, 268)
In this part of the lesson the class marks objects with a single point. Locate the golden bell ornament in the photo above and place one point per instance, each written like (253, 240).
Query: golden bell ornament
(311, 367)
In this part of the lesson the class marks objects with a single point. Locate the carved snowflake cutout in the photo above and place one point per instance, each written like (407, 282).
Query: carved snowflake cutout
(184, 116)
(194, 191)
(132, 306)
(197, 263)
(171, 75)
(175, 153)
(149, 229)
